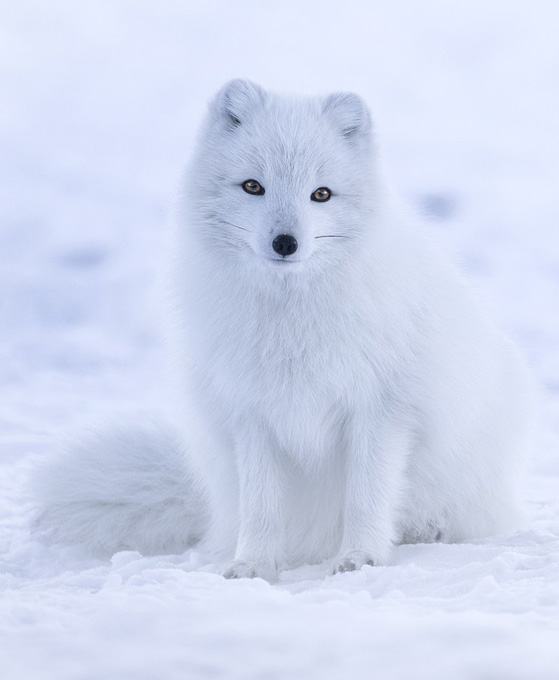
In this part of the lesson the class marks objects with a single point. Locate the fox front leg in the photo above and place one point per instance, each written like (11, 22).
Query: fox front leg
(375, 460)
(260, 512)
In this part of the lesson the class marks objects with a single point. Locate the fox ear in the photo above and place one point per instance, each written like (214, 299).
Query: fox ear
(236, 99)
(349, 114)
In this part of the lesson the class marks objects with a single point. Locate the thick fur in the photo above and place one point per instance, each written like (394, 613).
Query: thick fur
(127, 488)
(354, 395)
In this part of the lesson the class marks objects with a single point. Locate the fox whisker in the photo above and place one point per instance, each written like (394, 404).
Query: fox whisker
(230, 224)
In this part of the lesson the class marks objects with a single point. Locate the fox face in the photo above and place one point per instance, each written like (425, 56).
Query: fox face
(283, 183)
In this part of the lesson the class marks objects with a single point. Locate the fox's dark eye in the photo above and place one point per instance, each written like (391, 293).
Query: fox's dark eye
(251, 186)
(321, 195)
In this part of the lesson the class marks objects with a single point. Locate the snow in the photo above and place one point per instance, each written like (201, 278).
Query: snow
(100, 102)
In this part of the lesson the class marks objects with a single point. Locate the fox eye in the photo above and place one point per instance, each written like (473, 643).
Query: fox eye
(321, 195)
(251, 186)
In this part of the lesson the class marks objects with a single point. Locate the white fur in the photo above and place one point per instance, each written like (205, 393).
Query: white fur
(127, 488)
(355, 396)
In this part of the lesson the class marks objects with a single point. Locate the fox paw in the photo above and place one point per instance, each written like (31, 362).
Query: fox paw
(351, 560)
(240, 569)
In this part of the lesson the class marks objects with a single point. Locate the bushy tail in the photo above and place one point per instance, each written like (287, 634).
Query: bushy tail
(125, 489)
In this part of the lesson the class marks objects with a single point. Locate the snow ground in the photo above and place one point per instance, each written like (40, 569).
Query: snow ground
(100, 101)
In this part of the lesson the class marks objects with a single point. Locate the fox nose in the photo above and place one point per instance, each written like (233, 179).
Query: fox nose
(284, 244)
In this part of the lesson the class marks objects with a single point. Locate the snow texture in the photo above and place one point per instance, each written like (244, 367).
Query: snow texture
(100, 102)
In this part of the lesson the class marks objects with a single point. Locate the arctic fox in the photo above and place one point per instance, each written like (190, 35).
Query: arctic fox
(352, 393)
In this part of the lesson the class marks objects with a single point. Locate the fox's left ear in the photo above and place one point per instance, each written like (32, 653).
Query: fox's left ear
(349, 114)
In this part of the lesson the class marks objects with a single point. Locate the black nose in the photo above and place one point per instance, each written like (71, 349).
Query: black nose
(284, 245)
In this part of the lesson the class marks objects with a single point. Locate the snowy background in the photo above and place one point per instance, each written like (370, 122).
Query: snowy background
(99, 102)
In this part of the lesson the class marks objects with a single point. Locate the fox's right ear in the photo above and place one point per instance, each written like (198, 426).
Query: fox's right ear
(234, 102)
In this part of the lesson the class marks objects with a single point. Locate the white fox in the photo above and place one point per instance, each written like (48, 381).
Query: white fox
(354, 396)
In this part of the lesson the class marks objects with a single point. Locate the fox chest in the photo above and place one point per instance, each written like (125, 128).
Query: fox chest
(300, 410)
(297, 380)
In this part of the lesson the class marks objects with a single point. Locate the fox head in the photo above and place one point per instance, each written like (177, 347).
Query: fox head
(285, 183)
